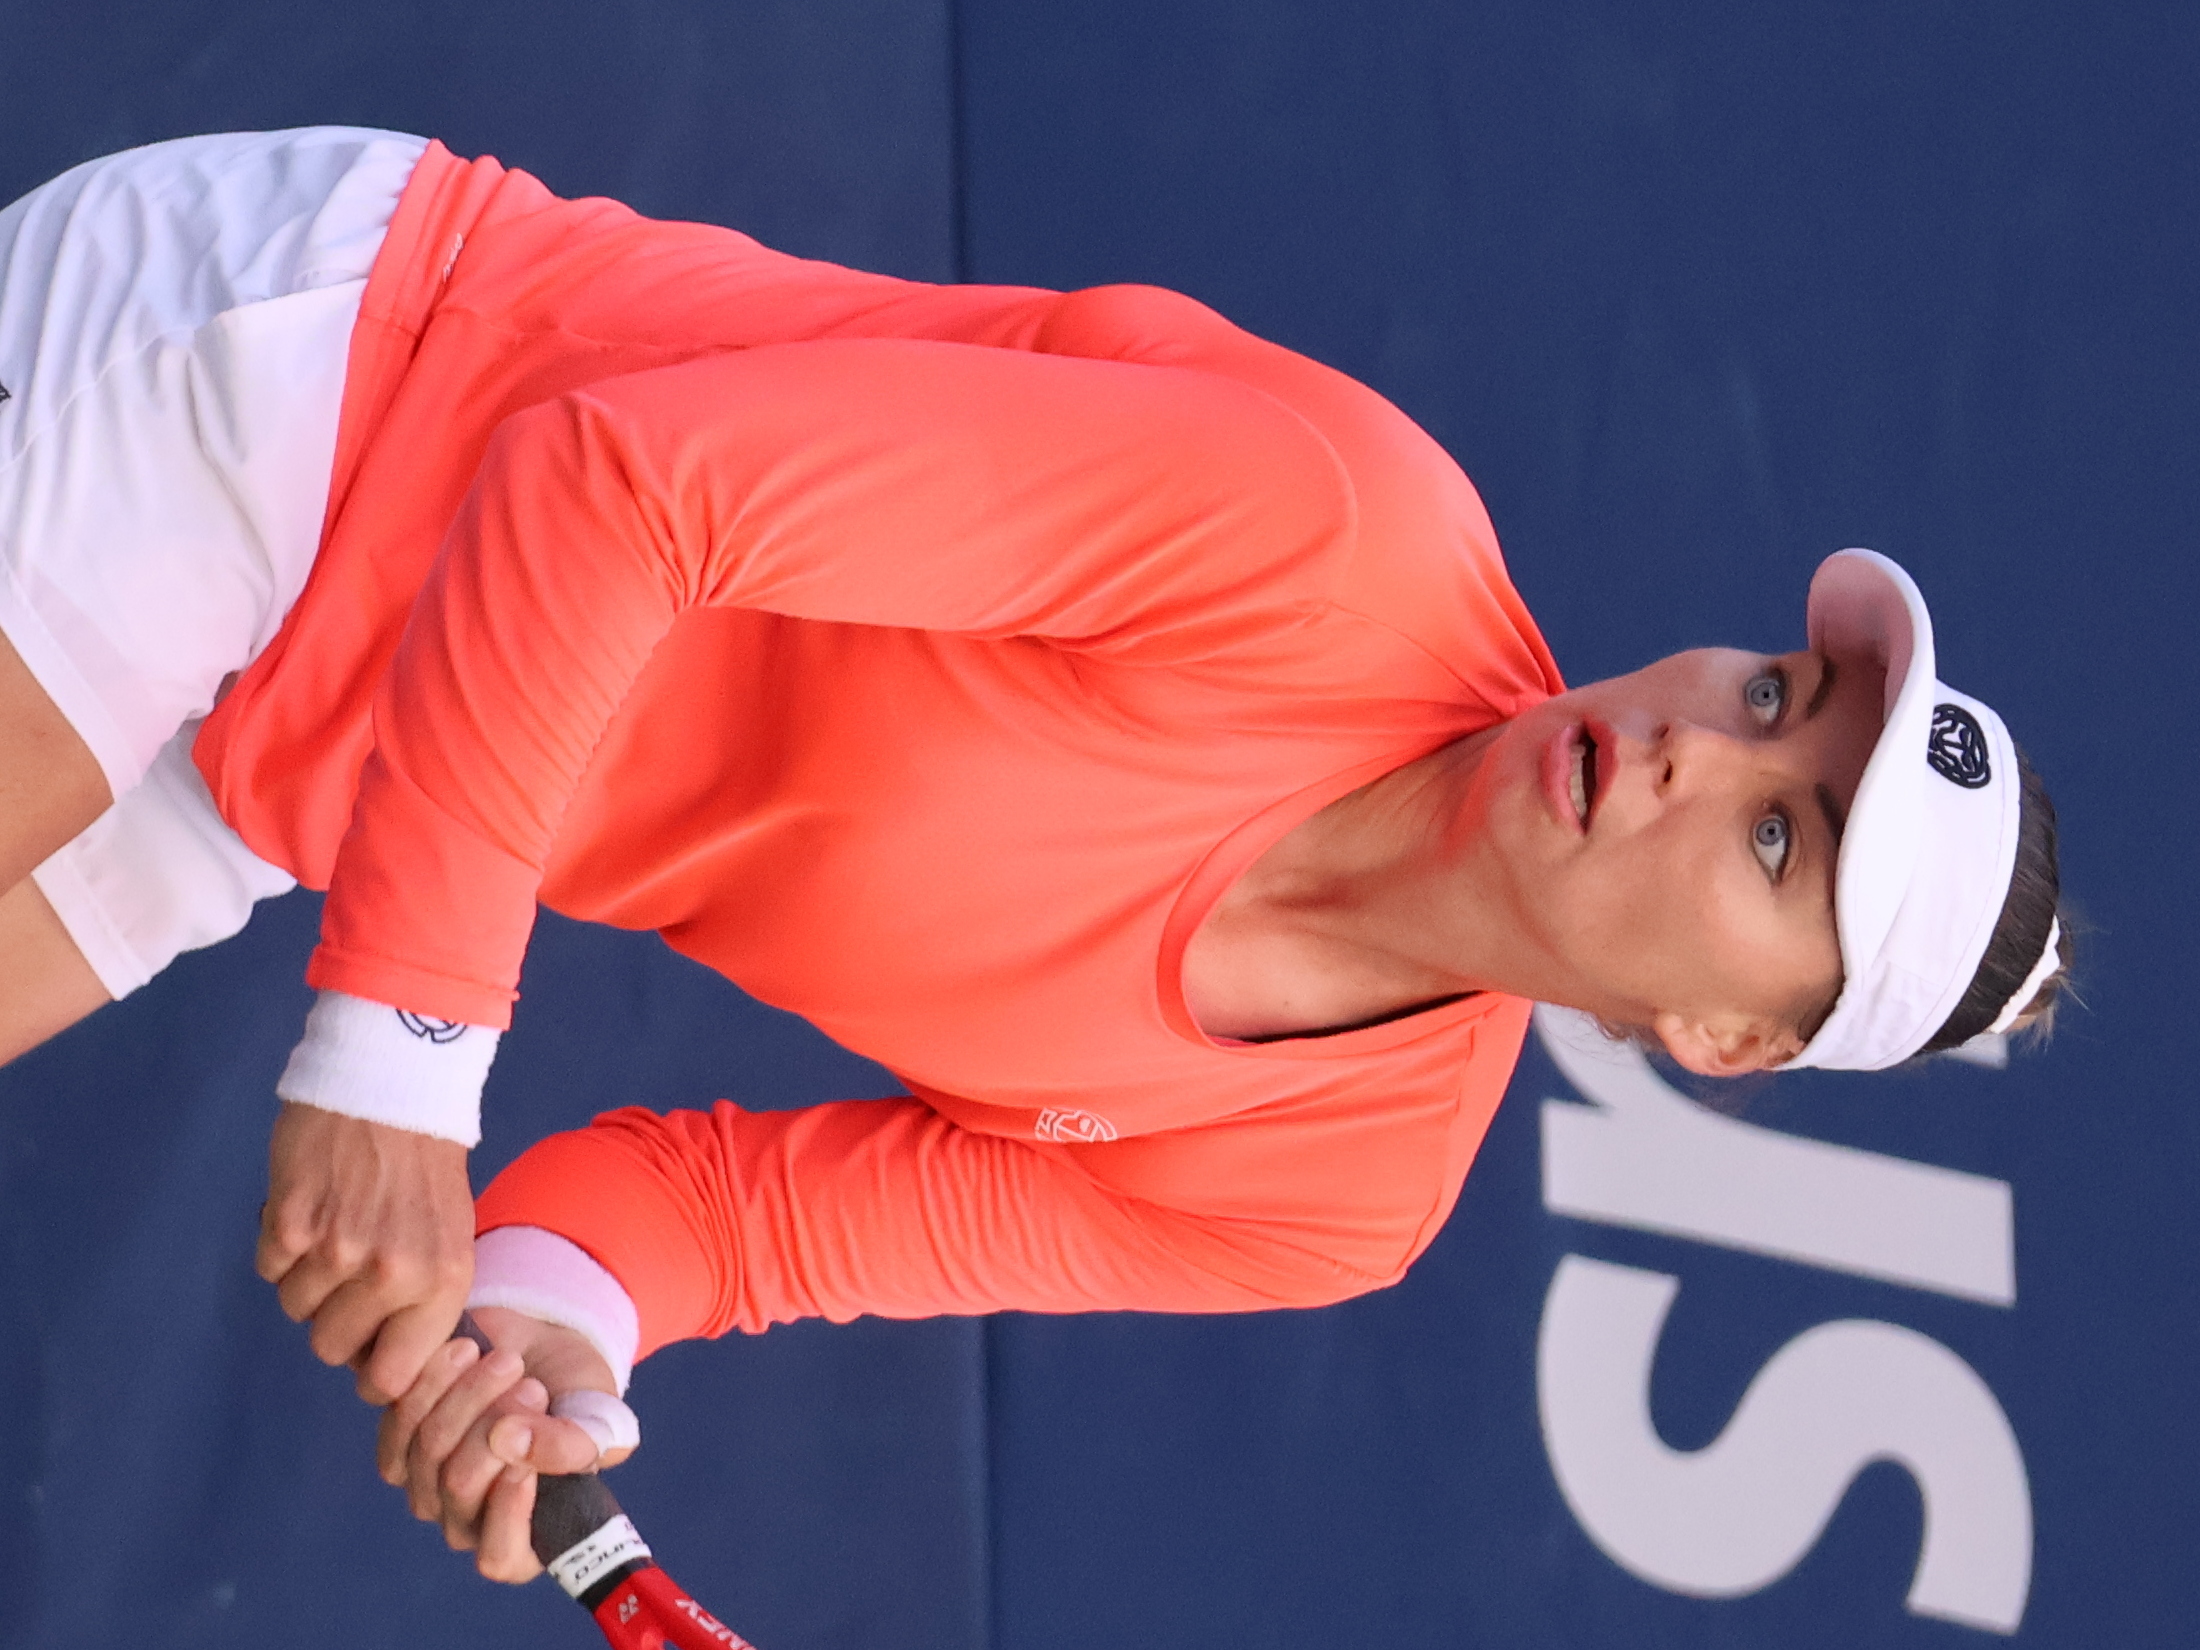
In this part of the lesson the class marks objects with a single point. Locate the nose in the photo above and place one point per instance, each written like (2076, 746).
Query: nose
(1689, 755)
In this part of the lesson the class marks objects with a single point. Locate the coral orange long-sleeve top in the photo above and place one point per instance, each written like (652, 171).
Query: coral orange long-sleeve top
(927, 660)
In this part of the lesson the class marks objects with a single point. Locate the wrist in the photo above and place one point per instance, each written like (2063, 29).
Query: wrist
(378, 1063)
(559, 1356)
(536, 1273)
(582, 1388)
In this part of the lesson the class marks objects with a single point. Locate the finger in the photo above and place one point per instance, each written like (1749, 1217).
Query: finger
(394, 1435)
(288, 1229)
(507, 1551)
(542, 1443)
(473, 1468)
(315, 1276)
(348, 1313)
(393, 1439)
(616, 1429)
(450, 1421)
(351, 1318)
(444, 1430)
(468, 1476)
(411, 1332)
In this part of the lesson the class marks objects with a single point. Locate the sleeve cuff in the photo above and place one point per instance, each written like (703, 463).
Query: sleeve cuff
(385, 1065)
(526, 1269)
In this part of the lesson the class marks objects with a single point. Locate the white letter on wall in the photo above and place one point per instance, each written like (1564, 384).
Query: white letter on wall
(1644, 1155)
(1741, 1512)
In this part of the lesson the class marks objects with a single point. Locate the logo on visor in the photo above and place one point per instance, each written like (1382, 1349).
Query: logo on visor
(1956, 749)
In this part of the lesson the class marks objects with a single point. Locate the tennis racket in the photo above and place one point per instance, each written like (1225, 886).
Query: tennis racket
(593, 1551)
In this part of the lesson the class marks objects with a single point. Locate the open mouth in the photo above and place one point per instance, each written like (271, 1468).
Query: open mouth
(1582, 782)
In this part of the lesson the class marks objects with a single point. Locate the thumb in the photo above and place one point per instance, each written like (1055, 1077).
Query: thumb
(543, 1443)
(616, 1429)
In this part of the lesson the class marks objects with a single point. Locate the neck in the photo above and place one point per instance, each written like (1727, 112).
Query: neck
(1368, 909)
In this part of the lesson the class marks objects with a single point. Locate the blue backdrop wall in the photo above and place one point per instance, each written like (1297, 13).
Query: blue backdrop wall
(1696, 292)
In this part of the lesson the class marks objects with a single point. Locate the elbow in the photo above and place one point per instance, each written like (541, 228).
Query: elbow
(1128, 323)
(1302, 1279)
(1345, 1283)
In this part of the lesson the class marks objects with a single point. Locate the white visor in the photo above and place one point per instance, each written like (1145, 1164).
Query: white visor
(1931, 840)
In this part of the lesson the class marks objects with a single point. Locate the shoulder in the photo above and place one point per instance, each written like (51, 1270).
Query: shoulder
(1425, 561)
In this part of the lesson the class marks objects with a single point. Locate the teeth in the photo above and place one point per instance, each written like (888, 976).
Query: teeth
(1577, 783)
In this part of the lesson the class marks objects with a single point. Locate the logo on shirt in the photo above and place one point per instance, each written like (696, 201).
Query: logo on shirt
(435, 1031)
(6, 394)
(1956, 748)
(1073, 1128)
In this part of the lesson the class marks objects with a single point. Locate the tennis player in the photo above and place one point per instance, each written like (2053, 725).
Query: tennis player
(1120, 727)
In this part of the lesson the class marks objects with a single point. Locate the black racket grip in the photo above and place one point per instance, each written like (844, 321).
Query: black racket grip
(569, 1507)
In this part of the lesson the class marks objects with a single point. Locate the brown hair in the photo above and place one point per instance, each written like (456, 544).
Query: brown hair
(2030, 908)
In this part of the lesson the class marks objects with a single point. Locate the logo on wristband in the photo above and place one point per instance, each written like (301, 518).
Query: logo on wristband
(435, 1031)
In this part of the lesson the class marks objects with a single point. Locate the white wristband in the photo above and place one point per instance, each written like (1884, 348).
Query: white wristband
(369, 1060)
(527, 1269)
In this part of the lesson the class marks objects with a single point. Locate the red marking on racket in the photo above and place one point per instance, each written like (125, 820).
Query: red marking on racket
(596, 1555)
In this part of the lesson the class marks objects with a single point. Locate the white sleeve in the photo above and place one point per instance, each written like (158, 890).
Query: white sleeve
(157, 874)
(549, 1277)
(386, 1065)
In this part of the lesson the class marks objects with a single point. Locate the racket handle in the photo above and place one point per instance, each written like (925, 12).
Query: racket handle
(650, 1611)
(578, 1531)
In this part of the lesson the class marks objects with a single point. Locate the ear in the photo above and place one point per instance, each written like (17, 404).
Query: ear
(1725, 1046)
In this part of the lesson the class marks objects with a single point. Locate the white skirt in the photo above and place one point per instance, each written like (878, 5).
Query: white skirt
(174, 327)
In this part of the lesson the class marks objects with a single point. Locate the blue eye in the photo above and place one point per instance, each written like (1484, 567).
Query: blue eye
(1766, 695)
(1770, 838)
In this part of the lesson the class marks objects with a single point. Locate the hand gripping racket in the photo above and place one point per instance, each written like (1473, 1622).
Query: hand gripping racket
(593, 1551)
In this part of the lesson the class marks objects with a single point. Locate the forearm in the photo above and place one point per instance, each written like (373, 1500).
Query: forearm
(734, 1220)
(526, 1269)
(1134, 511)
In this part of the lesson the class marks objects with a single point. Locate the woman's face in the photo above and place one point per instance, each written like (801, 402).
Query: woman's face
(1670, 838)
